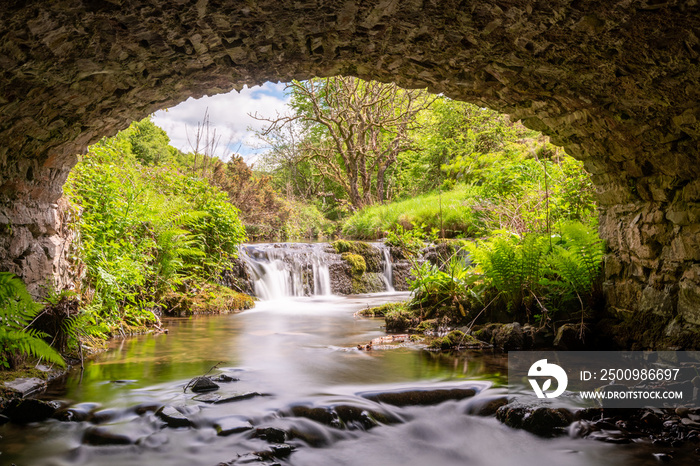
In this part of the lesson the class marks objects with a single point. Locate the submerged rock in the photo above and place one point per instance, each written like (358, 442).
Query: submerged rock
(99, 436)
(542, 421)
(344, 416)
(202, 384)
(271, 434)
(173, 418)
(26, 410)
(71, 415)
(214, 398)
(420, 397)
(231, 425)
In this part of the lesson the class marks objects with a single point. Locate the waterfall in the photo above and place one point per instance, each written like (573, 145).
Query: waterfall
(387, 267)
(279, 270)
(287, 269)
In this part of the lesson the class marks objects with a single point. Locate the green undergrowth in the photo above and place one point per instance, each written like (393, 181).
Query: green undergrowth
(449, 212)
(145, 232)
(533, 277)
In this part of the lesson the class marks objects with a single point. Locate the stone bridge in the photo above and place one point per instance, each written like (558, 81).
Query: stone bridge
(615, 82)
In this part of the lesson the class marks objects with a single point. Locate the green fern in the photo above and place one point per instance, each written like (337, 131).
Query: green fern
(577, 257)
(17, 312)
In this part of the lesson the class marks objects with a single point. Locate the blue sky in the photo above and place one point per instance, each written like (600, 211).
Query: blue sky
(229, 115)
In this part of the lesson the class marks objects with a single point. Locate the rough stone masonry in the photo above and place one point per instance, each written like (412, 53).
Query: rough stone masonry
(615, 82)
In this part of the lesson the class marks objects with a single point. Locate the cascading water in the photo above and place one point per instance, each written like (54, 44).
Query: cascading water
(279, 270)
(288, 269)
(387, 267)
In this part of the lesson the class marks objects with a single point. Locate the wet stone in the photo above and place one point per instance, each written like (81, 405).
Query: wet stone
(232, 425)
(27, 385)
(71, 415)
(271, 434)
(220, 399)
(489, 407)
(172, 417)
(420, 397)
(104, 415)
(203, 384)
(101, 436)
(223, 378)
(22, 411)
(154, 440)
(144, 408)
(542, 421)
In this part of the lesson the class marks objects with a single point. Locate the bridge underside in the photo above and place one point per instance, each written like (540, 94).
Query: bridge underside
(614, 82)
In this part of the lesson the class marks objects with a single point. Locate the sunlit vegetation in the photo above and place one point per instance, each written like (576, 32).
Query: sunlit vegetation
(156, 227)
(148, 227)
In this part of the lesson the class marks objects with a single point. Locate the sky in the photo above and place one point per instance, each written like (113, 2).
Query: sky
(229, 115)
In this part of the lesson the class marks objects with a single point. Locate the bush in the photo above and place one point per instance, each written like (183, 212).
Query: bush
(146, 231)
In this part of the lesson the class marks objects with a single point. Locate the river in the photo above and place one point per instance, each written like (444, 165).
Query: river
(293, 352)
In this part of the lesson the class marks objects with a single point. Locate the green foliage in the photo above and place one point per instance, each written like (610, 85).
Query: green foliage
(410, 242)
(307, 222)
(455, 141)
(447, 293)
(17, 312)
(449, 212)
(510, 265)
(577, 257)
(145, 231)
(528, 275)
(148, 143)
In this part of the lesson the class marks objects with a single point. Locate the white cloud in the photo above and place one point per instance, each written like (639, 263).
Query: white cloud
(228, 115)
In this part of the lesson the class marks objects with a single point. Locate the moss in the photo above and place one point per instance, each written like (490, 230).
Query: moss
(400, 319)
(355, 247)
(209, 299)
(368, 283)
(27, 371)
(427, 325)
(371, 255)
(357, 263)
(442, 343)
(453, 340)
(381, 311)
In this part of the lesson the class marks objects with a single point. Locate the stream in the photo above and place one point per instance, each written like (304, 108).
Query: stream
(289, 355)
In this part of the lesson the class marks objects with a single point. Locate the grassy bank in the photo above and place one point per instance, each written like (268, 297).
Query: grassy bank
(449, 211)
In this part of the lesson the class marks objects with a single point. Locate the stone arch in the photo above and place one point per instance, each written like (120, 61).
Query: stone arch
(614, 82)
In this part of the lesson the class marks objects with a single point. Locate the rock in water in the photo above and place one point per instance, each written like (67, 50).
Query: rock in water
(173, 417)
(26, 410)
(231, 425)
(203, 384)
(101, 436)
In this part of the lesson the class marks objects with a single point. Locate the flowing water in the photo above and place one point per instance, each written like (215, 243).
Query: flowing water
(288, 354)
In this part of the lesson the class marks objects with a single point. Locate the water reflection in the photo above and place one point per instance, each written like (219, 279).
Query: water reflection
(299, 351)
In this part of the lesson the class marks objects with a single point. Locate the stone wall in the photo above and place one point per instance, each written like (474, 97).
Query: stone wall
(615, 82)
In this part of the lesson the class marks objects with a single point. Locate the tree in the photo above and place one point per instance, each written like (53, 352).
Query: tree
(354, 131)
